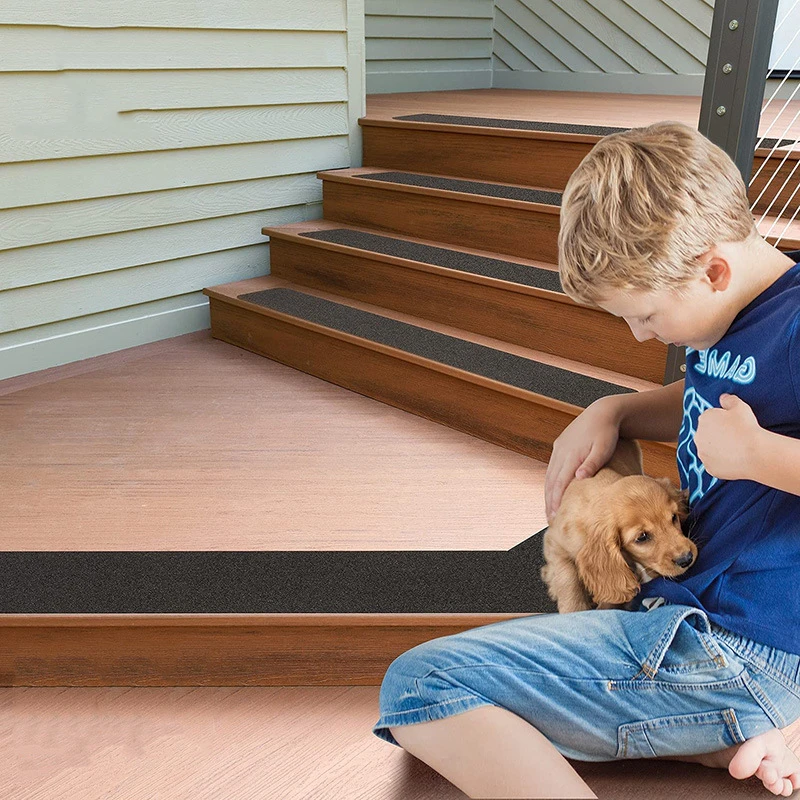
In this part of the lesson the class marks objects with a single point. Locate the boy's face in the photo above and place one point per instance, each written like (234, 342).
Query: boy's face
(697, 320)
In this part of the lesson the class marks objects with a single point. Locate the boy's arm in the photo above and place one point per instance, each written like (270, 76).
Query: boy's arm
(655, 415)
(777, 461)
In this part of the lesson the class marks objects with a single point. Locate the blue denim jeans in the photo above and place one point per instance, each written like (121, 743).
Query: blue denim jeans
(602, 685)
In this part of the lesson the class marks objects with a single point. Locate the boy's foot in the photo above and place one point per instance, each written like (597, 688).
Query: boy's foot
(769, 758)
(773, 757)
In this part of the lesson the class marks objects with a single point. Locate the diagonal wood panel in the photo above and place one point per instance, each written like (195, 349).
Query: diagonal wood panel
(612, 36)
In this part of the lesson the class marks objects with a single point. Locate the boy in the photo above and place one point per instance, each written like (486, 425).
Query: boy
(655, 228)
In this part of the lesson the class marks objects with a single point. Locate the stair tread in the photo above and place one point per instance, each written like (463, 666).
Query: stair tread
(581, 132)
(511, 365)
(524, 273)
(431, 182)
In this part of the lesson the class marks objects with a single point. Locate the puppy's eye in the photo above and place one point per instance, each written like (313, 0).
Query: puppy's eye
(642, 537)
(674, 518)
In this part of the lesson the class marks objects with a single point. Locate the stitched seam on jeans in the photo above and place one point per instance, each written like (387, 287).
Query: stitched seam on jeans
(625, 745)
(764, 702)
(716, 658)
(435, 705)
(685, 666)
(767, 669)
(734, 728)
(712, 649)
(731, 683)
(522, 669)
(666, 639)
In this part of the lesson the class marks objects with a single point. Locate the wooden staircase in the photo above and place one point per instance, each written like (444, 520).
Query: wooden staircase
(450, 193)
(537, 322)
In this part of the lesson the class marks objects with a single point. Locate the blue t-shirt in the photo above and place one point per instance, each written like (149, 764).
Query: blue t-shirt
(747, 573)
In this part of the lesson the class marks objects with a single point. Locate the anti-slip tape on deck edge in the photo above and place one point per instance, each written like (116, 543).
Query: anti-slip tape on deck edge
(535, 277)
(279, 582)
(554, 382)
(551, 127)
(470, 187)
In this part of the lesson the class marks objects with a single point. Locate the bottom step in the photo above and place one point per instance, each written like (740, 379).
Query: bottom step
(509, 395)
(216, 649)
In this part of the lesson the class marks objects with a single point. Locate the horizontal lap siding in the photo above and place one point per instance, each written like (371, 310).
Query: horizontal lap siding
(427, 45)
(142, 148)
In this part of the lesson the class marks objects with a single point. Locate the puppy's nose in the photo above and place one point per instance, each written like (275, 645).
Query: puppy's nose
(684, 560)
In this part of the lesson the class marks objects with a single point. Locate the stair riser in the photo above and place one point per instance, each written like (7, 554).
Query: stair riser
(503, 229)
(546, 163)
(533, 162)
(527, 320)
(522, 424)
(264, 652)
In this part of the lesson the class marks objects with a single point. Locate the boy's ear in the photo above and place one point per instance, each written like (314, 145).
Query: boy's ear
(717, 269)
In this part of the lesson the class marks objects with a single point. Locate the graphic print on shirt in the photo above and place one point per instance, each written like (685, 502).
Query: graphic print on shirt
(693, 473)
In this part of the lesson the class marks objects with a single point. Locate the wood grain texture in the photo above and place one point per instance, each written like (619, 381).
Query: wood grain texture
(254, 743)
(511, 312)
(503, 226)
(514, 418)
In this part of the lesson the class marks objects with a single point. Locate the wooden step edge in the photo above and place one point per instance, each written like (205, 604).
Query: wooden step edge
(521, 133)
(789, 155)
(480, 130)
(305, 226)
(353, 177)
(422, 266)
(228, 294)
(217, 649)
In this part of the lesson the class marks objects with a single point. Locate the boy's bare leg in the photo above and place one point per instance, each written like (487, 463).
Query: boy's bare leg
(490, 752)
(773, 757)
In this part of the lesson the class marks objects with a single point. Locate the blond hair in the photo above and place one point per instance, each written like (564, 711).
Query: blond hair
(642, 206)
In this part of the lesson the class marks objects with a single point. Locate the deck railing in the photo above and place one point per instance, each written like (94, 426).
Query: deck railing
(784, 182)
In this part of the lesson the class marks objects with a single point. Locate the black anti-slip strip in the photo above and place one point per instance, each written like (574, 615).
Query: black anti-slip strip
(293, 582)
(471, 187)
(560, 384)
(443, 257)
(551, 127)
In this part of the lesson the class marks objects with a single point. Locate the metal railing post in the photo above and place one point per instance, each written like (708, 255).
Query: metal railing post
(733, 92)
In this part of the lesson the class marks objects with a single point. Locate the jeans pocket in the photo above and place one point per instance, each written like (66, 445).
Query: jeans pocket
(683, 734)
(690, 651)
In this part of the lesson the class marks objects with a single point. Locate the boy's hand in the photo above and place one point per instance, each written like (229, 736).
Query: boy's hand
(726, 439)
(582, 449)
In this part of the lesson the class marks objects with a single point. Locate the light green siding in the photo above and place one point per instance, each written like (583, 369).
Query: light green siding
(426, 45)
(142, 148)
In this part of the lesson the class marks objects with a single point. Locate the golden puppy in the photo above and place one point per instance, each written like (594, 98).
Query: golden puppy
(613, 532)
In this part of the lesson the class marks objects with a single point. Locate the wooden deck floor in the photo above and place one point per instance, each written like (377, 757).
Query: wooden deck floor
(238, 452)
(194, 444)
(580, 108)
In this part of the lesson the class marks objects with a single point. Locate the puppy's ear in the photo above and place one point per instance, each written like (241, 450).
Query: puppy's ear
(601, 567)
(681, 497)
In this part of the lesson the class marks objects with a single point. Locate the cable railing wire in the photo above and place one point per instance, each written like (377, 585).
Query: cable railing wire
(794, 172)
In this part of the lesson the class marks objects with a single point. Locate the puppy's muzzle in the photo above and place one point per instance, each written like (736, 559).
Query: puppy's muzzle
(685, 560)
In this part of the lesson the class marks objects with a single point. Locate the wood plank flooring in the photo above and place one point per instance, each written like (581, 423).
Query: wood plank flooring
(204, 446)
(580, 108)
(265, 442)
